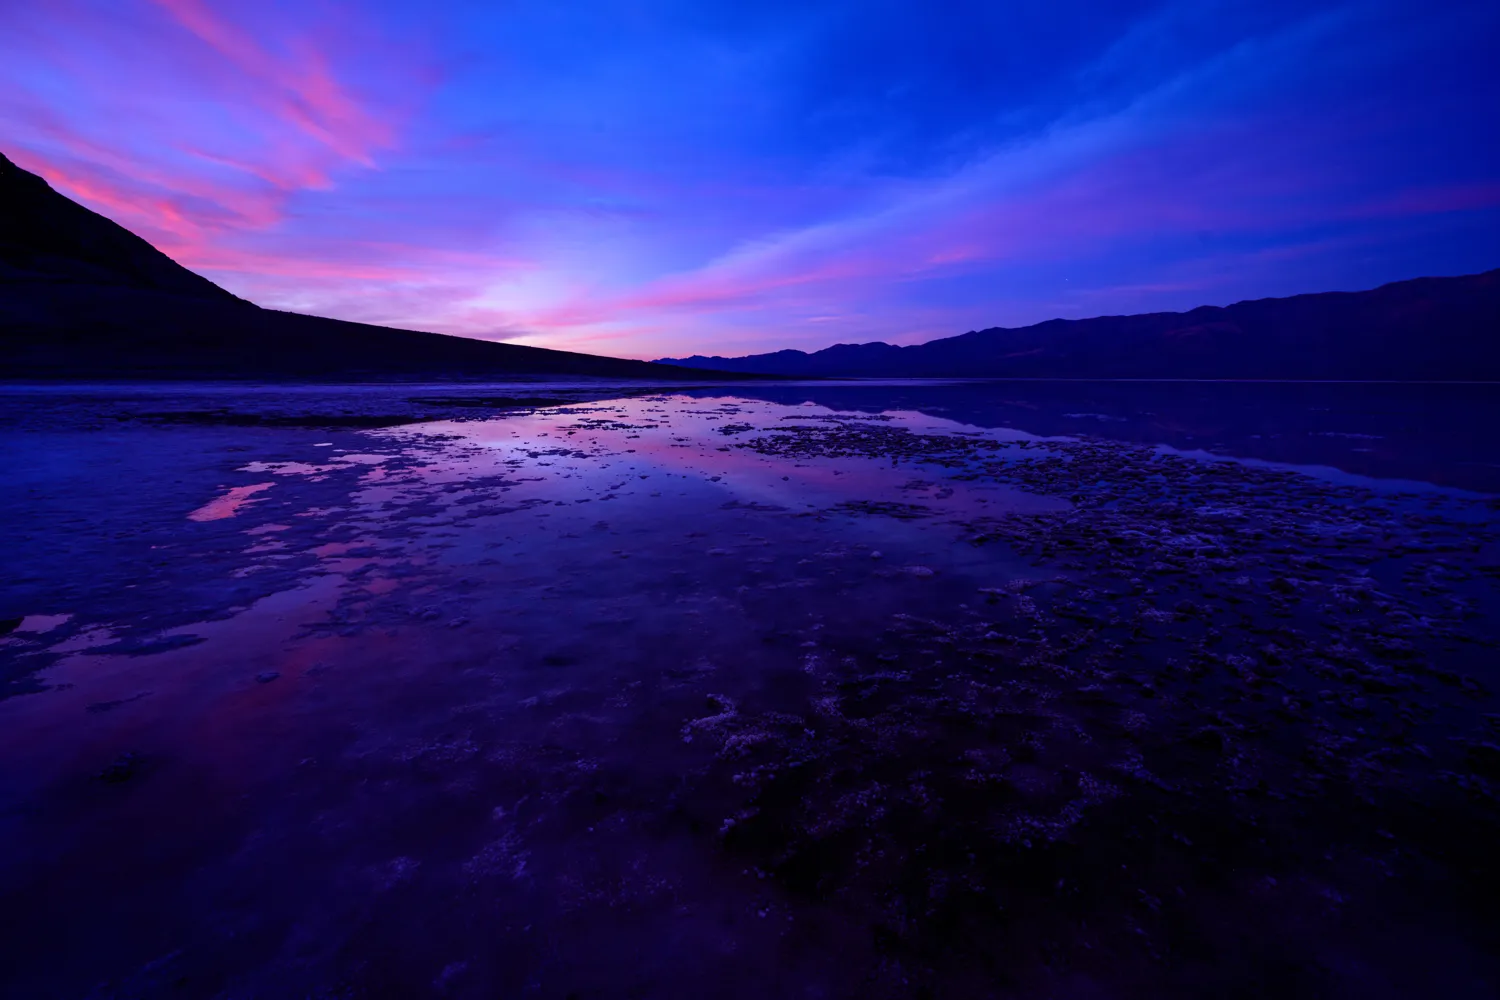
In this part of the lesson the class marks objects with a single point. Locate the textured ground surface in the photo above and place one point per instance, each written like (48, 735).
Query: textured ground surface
(312, 694)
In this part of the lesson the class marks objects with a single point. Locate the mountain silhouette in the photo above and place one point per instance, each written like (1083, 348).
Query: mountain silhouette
(1438, 329)
(83, 297)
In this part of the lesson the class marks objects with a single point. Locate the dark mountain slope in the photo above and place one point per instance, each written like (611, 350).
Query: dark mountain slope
(82, 297)
(45, 237)
(1444, 329)
(60, 330)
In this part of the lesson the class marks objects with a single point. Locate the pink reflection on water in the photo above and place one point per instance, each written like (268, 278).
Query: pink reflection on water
(229, 504)
(42, 623)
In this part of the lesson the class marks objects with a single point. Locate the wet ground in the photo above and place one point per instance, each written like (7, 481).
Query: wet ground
(892, 690)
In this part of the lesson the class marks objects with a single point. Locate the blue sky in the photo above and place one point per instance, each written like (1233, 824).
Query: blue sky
(651, 178)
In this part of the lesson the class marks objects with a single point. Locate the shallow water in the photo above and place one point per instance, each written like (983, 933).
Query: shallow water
(783, 690)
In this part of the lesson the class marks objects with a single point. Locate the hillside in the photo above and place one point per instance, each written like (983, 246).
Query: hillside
(1442, 329)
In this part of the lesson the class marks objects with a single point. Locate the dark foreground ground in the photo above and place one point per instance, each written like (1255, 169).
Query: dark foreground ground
(880, 691)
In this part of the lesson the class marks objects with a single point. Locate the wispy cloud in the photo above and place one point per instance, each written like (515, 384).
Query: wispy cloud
(300, 88)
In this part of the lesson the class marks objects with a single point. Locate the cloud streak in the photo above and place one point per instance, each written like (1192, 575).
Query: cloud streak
(301, 90)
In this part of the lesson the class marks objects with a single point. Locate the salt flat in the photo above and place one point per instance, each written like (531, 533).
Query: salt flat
(879, 690)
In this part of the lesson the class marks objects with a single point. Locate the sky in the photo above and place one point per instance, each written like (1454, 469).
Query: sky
(648, 178)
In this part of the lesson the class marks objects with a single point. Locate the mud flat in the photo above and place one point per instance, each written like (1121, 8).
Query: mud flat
(697, 693)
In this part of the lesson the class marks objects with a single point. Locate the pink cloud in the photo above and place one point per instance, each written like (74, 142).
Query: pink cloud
(358, 261)
(302, 91)
(284, 171)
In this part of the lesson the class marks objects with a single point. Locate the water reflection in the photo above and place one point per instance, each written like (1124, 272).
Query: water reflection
(665, 447)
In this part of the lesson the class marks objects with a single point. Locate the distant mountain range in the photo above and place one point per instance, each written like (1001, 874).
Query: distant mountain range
(1439, 329)
(82, 297)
